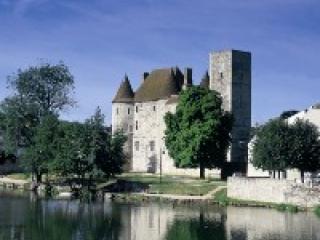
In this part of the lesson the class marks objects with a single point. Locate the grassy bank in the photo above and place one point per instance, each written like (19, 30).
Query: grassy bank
(177, 185)
(19, 176)
(221, 198)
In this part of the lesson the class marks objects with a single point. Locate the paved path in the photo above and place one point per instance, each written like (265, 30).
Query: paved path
(209, 195)
(10, 180)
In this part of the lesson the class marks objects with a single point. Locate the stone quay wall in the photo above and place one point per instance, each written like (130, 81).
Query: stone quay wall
(273, 190)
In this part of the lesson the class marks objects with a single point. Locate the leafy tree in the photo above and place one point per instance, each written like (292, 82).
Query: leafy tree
(106, 151)
(271, 146)
(47, 86)
(18, 123)
(38, 155)
(72, 152)
(304, 147)
(198, 133)
(280, 146)
(37, 92)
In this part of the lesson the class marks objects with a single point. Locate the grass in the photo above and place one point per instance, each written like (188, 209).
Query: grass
(178, 185)
(221, 198)
(19, 176)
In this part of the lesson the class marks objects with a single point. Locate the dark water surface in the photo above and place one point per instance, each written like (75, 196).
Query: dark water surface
(25, 217)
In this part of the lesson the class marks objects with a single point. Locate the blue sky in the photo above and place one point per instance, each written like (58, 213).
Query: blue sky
(101, 40)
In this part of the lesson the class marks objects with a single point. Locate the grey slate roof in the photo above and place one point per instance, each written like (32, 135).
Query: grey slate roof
(125, 93)
(160, 84)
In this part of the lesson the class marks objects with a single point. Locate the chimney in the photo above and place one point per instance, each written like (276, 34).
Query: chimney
(145, 75)
(187, 82)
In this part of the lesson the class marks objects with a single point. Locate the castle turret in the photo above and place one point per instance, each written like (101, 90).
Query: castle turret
(123, 114)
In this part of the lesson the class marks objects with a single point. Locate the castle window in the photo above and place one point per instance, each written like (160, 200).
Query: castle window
(154, 108)
(152, 145)
(128, 111)
(131, 128)
(136, 145)
(117, 111)
(221, 74)
(137, 109)
(137, 125)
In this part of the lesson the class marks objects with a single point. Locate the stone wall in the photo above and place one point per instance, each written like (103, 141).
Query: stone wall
(273, 190)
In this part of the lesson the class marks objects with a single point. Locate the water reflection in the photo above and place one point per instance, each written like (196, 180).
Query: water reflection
(24, 218)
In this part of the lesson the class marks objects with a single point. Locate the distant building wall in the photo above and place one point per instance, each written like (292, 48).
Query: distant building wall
(273, 190)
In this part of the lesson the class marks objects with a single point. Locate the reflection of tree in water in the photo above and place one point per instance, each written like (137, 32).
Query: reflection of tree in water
(197, 229)
(84, 223)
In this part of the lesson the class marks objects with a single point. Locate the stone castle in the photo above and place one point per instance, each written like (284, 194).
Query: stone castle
(140, 114)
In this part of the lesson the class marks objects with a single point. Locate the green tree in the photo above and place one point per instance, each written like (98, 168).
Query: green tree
(72, 152)
(198, 133)
(37, 92)
(271, 146)
(304, 147)
(47, 86)
(107, 153)
(280, 146)
(38, 155)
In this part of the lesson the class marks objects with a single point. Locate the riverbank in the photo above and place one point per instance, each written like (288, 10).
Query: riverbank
(136, 187)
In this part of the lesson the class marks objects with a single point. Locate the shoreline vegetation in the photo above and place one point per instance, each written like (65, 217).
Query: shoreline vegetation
(173, 189)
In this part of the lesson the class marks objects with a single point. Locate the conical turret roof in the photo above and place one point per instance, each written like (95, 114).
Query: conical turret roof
(125, 93)
(205, 81)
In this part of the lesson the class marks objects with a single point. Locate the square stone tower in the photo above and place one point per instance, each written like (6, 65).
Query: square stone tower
(230, 75)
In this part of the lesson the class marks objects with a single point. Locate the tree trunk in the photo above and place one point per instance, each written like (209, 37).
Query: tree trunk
(202, 171)
(302, 176)
(39, 177)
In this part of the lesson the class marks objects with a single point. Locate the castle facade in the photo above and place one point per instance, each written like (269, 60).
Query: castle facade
(140, 114)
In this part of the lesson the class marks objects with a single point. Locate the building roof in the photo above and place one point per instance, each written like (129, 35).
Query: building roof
(311, 114)
(125, 93)
(160, 84)
(173, 99)
(205, 81)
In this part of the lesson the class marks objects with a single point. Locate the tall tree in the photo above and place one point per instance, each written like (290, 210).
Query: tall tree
(304, 147)
(106, 151)
(271, 146)
(38, 155)
(47, 86)
(37, 92)
(198, 133)
(280, 146)
(72, 152)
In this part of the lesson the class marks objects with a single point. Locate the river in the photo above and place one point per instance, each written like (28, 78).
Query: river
(22, 216)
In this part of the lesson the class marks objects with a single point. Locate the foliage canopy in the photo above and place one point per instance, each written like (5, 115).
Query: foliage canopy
(198, 133)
